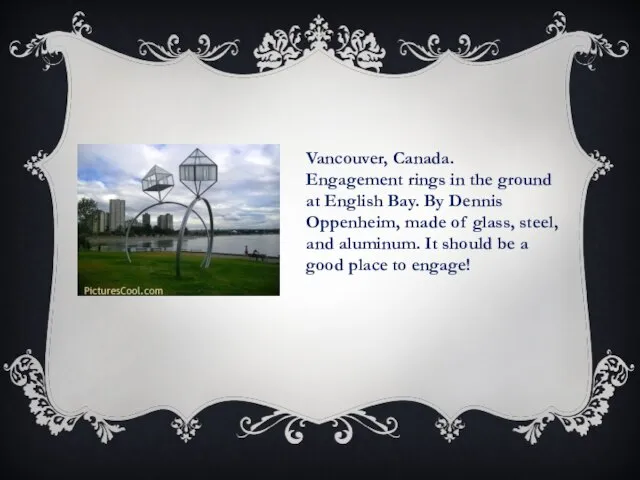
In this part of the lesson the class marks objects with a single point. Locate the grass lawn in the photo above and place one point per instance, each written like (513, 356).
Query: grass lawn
(225, 276)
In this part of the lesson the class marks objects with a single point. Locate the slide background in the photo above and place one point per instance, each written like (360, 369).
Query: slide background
(603, 105)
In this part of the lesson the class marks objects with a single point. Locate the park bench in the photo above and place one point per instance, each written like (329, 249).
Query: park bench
(257, 255)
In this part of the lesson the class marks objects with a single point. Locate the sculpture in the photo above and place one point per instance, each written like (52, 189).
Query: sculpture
(202, 173)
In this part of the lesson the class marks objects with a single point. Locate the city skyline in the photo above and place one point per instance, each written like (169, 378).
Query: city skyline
(101, 222)
(247, 194)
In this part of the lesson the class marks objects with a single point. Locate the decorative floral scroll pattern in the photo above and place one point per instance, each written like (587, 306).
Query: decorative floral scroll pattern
(611, 373)
(600, 46)
(604, 167)
(186, 430)
(293, 426)
(449, 430)
(357, 48)
(432, 50)
(33, 165)
(277, 50)
(207, 52)
(26, 372)
(38, 44)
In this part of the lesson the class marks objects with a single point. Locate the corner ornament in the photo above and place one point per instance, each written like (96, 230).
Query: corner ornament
(38, 45)
(611, 372)
(357, 48)
(26, 372)
(599, 45)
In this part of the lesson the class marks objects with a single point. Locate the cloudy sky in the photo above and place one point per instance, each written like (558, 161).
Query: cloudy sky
(247, 194)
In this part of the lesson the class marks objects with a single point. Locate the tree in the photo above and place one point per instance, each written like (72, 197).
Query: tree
(87, 211)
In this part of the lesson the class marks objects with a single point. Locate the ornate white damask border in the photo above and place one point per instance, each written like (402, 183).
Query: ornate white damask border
(357, 48)
(599, 45)
(604, 167)
(33, 166)
(280, 49)
(38, 44)
(206, 52)
(277, 50)
(294, 425)
(466, 50)
(27, 372)
(432, 51)
(611, 372)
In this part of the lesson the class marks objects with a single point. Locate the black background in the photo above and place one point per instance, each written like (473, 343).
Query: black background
(603, 104)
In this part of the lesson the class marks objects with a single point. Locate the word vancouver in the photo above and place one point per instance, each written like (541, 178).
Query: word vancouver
(400, 158)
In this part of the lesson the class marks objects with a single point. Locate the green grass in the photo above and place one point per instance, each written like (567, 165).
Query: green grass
(225, 276)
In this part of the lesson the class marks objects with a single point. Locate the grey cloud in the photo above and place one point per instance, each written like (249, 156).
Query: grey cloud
(250, 180)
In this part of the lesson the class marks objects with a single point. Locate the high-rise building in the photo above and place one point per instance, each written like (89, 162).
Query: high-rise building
(116, 214)
(100, 222)
(165, 222)
(146, 219)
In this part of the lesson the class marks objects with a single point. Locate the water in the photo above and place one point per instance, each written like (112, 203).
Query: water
(234, 244)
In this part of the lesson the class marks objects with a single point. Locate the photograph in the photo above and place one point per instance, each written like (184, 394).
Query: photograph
(173, 219)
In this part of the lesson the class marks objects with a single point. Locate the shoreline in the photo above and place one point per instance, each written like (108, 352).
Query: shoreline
(144, 238)
(269, 258)
(114, 243)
